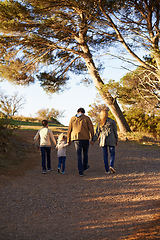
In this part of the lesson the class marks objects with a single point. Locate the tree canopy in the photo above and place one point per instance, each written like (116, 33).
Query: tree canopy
(44, 33)
(50, 114)
(138, 89)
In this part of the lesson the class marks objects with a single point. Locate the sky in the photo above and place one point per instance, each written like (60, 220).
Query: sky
(74, 97)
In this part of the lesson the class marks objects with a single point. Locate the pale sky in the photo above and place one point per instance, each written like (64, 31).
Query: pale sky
(69, 100)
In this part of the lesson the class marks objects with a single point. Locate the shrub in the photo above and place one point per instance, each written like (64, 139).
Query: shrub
(7, 127)
(158, 129)
(140, 121)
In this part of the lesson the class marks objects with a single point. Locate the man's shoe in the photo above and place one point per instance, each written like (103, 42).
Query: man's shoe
(44, 171)
(50, 169)
(112, 170)
(86, 168)
(81, 175)
(59, 170)
(107, 172)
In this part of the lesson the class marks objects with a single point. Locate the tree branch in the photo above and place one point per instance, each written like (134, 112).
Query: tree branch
(121, 39)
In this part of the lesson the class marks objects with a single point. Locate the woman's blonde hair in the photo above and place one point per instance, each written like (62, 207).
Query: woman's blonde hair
(103, 117)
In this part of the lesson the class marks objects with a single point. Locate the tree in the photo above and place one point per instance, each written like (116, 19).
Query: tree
(65, 35)
(10, 105)
(140, 121)
(140, 89)
(56, 33)
(136, 26)
(135, 91)
(50, 114)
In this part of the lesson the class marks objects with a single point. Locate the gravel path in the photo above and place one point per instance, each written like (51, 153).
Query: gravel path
(53, 206)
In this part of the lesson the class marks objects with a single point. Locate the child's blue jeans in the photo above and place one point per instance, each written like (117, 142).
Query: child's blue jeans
(62, 163)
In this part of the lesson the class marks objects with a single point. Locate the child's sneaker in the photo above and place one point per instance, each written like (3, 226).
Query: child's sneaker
(63, 172)
(44, 171)
(59, 170)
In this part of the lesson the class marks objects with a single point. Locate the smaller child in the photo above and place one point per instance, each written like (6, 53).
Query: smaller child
(61, 152)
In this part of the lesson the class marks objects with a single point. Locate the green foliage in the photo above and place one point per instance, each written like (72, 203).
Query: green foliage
(32, 123)
(18, 121)
(40, 35)
(140, 88)
(138, 120)
(50, 114)
(112, 87)
(51, 82)
(158, 129)
(7, 126)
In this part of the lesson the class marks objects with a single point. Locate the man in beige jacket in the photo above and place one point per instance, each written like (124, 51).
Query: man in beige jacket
(80, 130)
(43, 138)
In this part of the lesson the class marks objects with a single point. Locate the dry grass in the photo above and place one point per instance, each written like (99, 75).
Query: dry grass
(140, 137)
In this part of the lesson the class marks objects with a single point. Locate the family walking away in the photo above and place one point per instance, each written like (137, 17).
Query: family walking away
(43, 139)
(80, 131)
(61, 152)
(107, 132)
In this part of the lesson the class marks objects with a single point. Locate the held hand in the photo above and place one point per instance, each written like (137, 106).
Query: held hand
(92, 143)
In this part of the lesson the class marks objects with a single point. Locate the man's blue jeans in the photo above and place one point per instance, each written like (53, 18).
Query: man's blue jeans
(105, 156)
(44, 151)
(82, 146)
(61, 162)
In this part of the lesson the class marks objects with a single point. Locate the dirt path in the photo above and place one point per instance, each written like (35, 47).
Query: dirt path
(124, 205)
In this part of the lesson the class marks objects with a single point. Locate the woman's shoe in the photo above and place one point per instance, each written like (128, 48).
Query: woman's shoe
(112, 170)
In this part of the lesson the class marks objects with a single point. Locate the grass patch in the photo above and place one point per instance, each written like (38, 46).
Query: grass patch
(27, 123)
(55, 129)
(139, 137)
(33, 125)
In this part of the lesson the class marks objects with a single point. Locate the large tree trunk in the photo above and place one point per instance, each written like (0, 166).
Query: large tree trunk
(106, 96)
